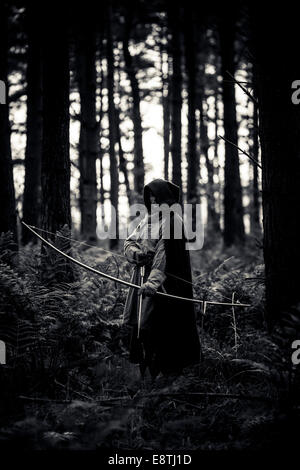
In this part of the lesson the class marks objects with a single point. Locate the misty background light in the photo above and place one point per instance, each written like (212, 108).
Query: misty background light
(153, 145)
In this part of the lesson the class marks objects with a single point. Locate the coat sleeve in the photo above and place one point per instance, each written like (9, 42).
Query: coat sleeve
(131, 246)
(157, 274)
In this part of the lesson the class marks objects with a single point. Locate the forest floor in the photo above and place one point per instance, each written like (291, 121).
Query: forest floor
(68, 383)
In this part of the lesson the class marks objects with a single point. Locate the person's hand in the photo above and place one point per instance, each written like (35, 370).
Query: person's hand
(146, 290)
(141, 258)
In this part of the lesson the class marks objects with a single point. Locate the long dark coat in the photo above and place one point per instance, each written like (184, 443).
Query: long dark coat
(168, 339)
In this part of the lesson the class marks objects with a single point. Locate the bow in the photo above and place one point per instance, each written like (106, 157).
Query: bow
(122, 281)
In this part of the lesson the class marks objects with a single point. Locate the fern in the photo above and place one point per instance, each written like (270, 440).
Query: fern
(8, 248)
(56, 268)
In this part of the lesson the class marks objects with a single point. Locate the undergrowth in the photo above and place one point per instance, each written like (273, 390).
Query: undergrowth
(68, 383)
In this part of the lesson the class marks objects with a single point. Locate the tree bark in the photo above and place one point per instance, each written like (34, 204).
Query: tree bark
(122, 158)
(136, 113)
(55, 169)
(176, 87)
(114, 174)
(8, 221)
(219, 204)
(32, 183)
(190, 63)
(88, 143)
(254, 215)
(280, 150)
(165, 98)
(101, 192)
(213, 223)
(234, 231)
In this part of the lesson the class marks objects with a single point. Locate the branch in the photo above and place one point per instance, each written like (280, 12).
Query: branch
(75, 165)
(154, 395)
(18, 161)
(249, 84)
(190, 394)
(83, 395)
(17, 95)
(43, 400)
(243, 88)
(241, 150)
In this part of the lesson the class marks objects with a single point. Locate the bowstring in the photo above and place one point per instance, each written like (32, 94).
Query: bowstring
(77, 241)
(120, 280)
(107, 251)
(113, 253)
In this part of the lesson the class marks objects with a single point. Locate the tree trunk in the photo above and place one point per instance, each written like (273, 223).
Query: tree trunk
(280, 150)
(101, 192)
(176, 85)
(165, 98)
(213, 224)
(254, 214)
(88, 144)
(219, 204)
(136, 113)
(32, 183)
(122, 159)
(234, 231)
(114, 174)
(55, 169)
(190, 62)
(7, 192)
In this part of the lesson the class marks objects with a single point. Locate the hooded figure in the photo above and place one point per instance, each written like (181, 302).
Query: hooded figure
(168, 339)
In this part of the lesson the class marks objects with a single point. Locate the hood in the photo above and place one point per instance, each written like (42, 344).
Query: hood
(164, 192)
